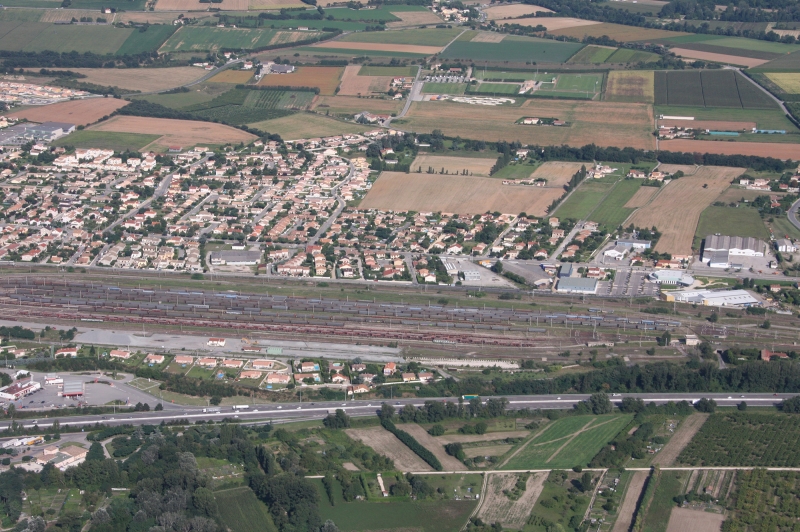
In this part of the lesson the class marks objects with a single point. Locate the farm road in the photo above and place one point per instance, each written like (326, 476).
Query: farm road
(683, 435)
(628, 506)
(793, 214)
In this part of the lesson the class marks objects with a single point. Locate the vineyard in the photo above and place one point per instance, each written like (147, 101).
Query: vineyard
(746, 439)
(279, 99)
(765, 501)
(240, 114)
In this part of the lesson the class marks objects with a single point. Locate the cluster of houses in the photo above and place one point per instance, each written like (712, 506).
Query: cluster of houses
(14, 93)
(766, 185)
(655, 175)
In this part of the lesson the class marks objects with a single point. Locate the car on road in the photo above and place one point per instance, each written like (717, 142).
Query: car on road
(558, 398)
(280, 407)
(298, 408)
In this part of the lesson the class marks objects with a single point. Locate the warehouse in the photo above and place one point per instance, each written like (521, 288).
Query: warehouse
(713, 298)
(235, 258)
(671, 277)
(718, 249)
(577, 285)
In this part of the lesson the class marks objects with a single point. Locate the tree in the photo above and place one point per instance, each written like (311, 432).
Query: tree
(714, 318)
(340, 420)
(329, 526)
(387, 411)
(706, 405)
(95, 452)
(204, 502)
(159, 407)
(586, 481)
(436, 430)
(792, 405)
(766, 324)
(599, 403)
(742, 406)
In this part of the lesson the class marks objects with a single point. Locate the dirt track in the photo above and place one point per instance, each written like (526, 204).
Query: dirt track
(628, 506)
(683, 435)
(496, 507)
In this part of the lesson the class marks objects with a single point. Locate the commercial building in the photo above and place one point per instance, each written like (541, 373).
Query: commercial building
(718, 250)
(671, 277)
(63, 458)
(20, 134)
(618, 252)
(577, 285)
(235, 258)
(713, 298)
(73, 389)
(16, 391)
(633, 243)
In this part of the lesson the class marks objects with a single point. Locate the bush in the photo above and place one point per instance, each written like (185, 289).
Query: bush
(436, 430)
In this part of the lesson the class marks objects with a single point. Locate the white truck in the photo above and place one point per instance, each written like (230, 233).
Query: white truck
(212, 409)
(236, 408)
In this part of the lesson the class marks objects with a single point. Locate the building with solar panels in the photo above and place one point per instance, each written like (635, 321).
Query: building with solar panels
(73, 389)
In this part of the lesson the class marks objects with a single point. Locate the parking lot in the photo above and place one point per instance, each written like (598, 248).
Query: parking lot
(629, 283)
(446, 79)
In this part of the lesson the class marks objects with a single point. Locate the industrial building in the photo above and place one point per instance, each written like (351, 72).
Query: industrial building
(671, 277)
(719, 249)
(577, 285)
(235, 258)
(713, 298)
(20, 134)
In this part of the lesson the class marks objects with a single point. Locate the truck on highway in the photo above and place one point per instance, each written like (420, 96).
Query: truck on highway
(212, 409)
(240, 407)
(470, 397)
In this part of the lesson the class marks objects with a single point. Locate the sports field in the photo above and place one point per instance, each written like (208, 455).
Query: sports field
(592, 55)
(106, 140)
(746, 220)
(709, 88)
(212, 39)
(461, 194)
(568, 442)
(630, 86)
(307, 125)
(496, 88)
(444, 88)
(78, 112)
(40, 36)
(324, 78)
(676, 210)
(512, 48)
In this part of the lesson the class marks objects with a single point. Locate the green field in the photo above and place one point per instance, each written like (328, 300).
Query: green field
(782, 227)
(126, 5)
(403, 71)
(592, 55)
(322, 51)
(559, 447)
(583, 200)
(626, 55)
(498, 75)
(40, 36)
(20, 15)
(721, 219)
(611, 212)
(579, 82)
(444, 88)
(279, 99)
(740, 43)
(205, 38)
(557, 504)
(241, 510)
(383, 13)
(417, 37)
(39, 4)
(178, 100)
(512, 48)
(307, 125)
(148, 41)
(670, 484)
(709, 88)
(764, 119)
(343, 25)
(106, 140)
(496, 88)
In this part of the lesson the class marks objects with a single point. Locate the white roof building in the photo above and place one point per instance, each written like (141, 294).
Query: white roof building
(713, 298)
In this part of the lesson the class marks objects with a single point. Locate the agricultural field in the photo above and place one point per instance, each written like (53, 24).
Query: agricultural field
(669, 484)
(761, 497)
(41, 36)
(449, 463)
(709, 88)
(746, 220)
(373, 49)
(685, 519)
(413, 18)
(419, 37)
(78, 112)
(726, 59)
(567, 442)
(140, 79)
(556, 173)
(552, 23)
(28, 15)
(308, 125)
(787, 62)
(635, 86)
(764, 118)
(613, 211)
(601, 123)
(388, 445)
(617, 32)
(149, 40)
(347, 106)
(290, 100)
(107, 140)
(326, 79)
(497, 507)
(212, 39)
(686, 431)
(355, 84)
(512, 48)
(476, 166)
(628, 56)
(444, 88)
(641, 198)
(627, 509)
(241, 510)
(184, 133)
(448, 193)
(745, 439)
(592, 55)
(585, 199)
(513, 11)
(236, 77)
(762, 149)
(676, 210)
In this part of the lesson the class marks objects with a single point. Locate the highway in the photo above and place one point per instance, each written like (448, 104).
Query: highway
(285, 412)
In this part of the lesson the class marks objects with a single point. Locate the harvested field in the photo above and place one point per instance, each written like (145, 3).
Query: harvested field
(413, 18)
(553, 23)
(152, 17)
(455, 165)
(487, 36)
(497, 507)
(184, 133)
(380, 47)
(141, 79)
(683, 435)
(718, 58)
(489, 450)
(601, 123)
(687, 169)
(513, 11)
(641, 197)
(308, 125)
(232, 76)
(355, 85)
(632, 494)
(630, 86)
(78, 112)
(459, 194)
(557, 173)
(719, 125)
(676, 210)
(350, 105)
(489, 436)
(683, 519)
(763, 149)
(449, 463)
(618, 32)
(66, 15)
(385, 443)
(196, 5)
(788, 81)
(325, 78)
(275, 4)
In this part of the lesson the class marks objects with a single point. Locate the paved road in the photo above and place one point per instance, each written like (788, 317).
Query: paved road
(793, 214)
(294, 411)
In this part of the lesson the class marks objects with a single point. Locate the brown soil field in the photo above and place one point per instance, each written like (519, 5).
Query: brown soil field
(326, 78)
(397, 191)
(350, 105)
(601, 123)
(641, 197)
(78, 112)
(686, 520)
(513, 10)
(455, 165)
(449, 463)
(388, 445)
(719, 58)
(489, 450)
(489, 436)
(496, 507)
(736, 194)
(413, 18)
(553, 23)
(488, 36)
(141, 79)
(683, 435)
(557, 173)
(764, 149)
(630, 86)
(618, 32)
(153, 17)
(721, 125)
(355, 85)
(274, 4)
(380, 47)
(687, 169)
(196, 5)
(232, 76)
(184, 133)
(628, 506)
(65, 15)
(676, 210)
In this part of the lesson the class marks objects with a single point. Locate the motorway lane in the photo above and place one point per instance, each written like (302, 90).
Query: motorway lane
(289, 411)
